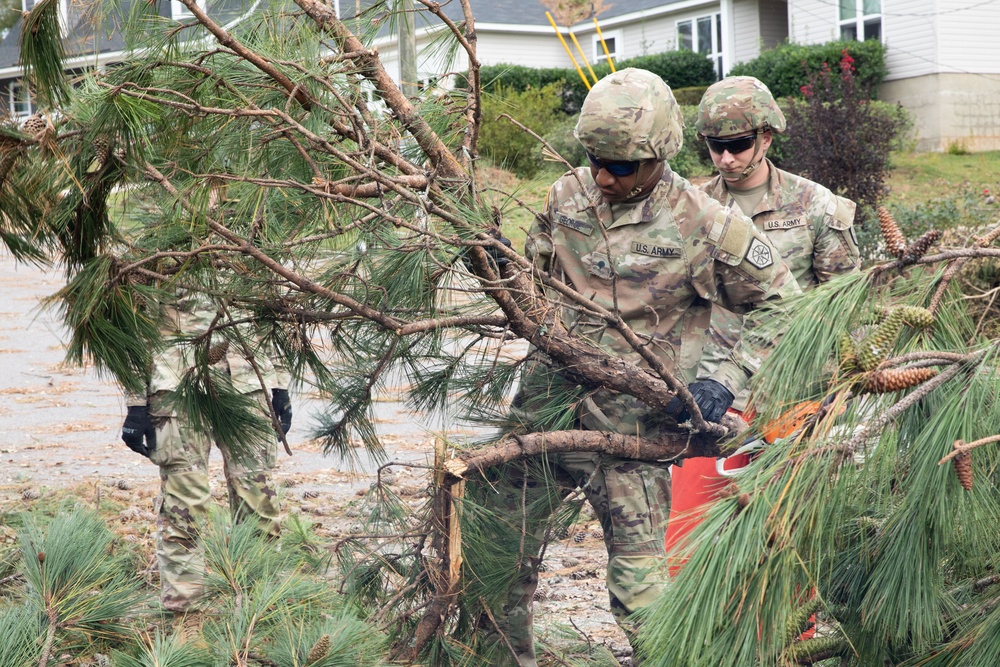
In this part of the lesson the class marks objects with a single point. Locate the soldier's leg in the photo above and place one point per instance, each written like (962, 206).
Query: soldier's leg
(182, 455)
(524, 496)
(252, 492)
(632, 501)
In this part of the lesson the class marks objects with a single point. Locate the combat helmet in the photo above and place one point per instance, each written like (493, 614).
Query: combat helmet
(738, 105)
(630, 115)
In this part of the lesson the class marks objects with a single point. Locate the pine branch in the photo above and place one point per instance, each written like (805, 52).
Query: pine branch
(664, 448)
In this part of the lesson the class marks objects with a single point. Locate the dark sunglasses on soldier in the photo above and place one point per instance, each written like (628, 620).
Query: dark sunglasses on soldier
(734, 146)
(614, 168)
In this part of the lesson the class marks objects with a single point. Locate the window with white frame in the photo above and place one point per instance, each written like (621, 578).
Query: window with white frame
(860, 19)
(703, 35)
(178, 10)
(19, 99)
(613, 39)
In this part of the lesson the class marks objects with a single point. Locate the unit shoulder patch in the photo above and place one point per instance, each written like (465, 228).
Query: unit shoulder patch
(840, 214)
(759, 254)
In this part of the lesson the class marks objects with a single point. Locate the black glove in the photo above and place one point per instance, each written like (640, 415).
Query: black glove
(497, 258)
(282, 408)
(138, 431)
(713, 400)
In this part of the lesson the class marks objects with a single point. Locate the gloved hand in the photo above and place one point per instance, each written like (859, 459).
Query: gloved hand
(497, 259)
(713, 400)
(138, 431)
(282, 408)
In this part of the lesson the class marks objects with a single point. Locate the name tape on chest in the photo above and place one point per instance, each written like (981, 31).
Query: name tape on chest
(759, 254)
(772, 225)
(577, 225)
(654, 250)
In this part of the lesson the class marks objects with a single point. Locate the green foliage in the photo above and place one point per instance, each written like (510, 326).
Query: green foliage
(161, 650)
(507, 145)
(869, 520)
(680, 69)
(786, 68)
(693, 158)
(42, 53)
(689, 96)
(562, 140)
(836, 137)
(77, 579)
(10, 12)
(22, 629)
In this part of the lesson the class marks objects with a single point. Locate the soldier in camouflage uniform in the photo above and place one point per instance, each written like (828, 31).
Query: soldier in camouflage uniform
(153, 428)
(641, 241)
(811, 227)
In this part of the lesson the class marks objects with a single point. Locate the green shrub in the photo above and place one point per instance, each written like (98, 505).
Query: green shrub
(689, 96)
(693, 159)
(837, 137)
(561, 138)
(786, 69)
(680, 69)
(505, 144)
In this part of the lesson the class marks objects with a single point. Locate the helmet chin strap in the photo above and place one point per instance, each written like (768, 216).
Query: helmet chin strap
(750, 168)
(653, 176)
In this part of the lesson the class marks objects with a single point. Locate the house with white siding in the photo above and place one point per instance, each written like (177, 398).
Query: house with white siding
(943, 65)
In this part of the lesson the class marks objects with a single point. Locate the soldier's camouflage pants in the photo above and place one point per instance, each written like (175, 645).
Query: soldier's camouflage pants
(632, 501)
(182, 454)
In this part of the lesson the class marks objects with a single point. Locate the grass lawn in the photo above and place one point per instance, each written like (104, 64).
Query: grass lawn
(922, 177)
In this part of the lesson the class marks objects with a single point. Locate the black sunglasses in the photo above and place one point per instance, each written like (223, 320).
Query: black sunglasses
(734, 146)
(614, 168)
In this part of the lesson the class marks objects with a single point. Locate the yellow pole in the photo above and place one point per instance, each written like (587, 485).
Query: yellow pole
(583, 57)
(579, 71)
(604, 46)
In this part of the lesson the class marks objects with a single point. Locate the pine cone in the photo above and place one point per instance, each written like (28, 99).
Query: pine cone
(580, 537)
(217, 352)
(799, 619)
(817, 648)
(963, 467)
(895, 242)
(897, 379)
(102, 151)
(917, 317)
(919, 248)
(847, 353)
(877, 345)
(319, 650)
(35, 125)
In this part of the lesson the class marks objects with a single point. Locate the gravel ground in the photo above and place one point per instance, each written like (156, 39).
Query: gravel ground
(60, 430)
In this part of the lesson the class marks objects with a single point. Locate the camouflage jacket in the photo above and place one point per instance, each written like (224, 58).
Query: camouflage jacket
(663, 261)
(811, 227)
(186, 318)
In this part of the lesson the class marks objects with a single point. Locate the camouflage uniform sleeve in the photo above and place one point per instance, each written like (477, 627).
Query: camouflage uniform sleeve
(538, 244)
(835, 250)
(749, 272)
(132, 399)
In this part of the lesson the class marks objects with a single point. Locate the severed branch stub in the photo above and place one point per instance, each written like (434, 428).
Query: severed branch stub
(665, 447)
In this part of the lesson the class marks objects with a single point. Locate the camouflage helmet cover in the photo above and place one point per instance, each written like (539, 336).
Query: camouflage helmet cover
(738, 105)
(630, 115)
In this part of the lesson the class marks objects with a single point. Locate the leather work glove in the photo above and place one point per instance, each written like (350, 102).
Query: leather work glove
(713, 400)
(138, 431)
(497, 259)
(282, 408)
